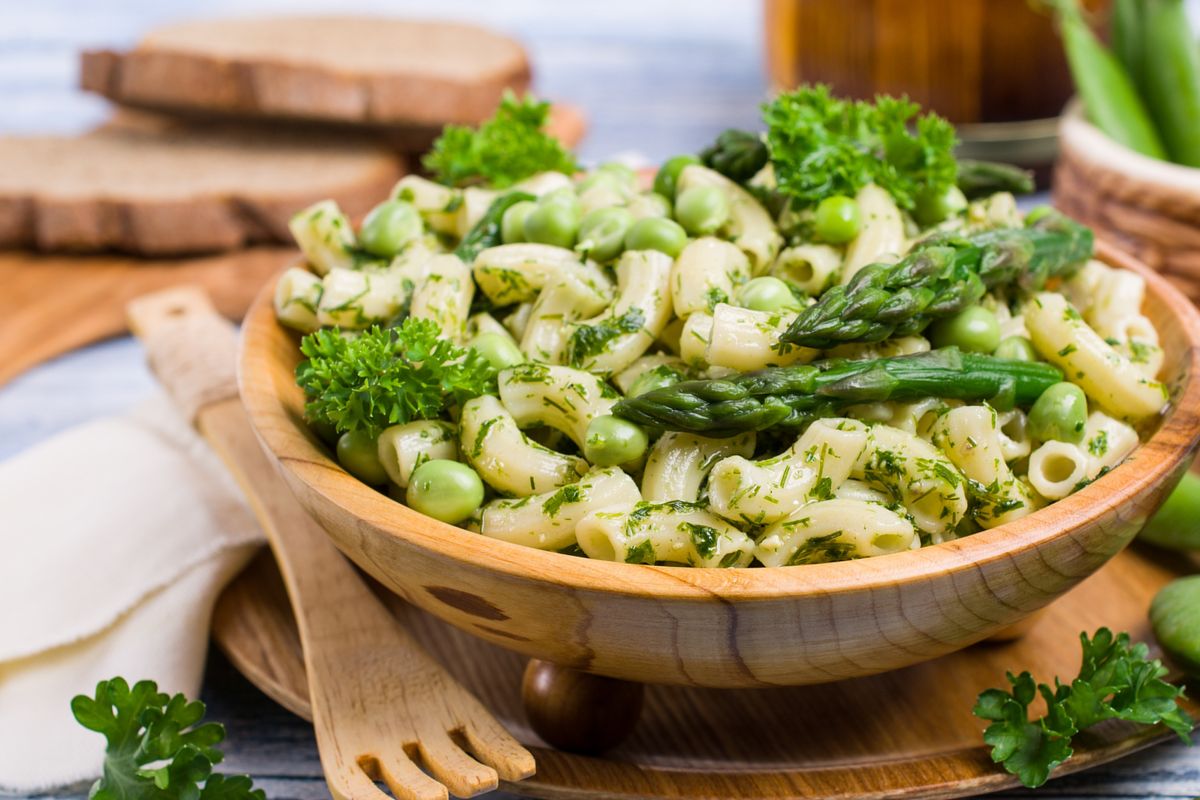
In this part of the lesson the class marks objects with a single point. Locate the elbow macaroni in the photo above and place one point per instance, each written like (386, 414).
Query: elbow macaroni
(505, 458)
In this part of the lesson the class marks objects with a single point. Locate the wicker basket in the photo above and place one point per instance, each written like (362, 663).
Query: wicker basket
(1147, 207)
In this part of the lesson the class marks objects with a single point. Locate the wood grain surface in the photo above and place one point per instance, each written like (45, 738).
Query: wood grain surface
(356, 655)
(54, 304)
(908, 733)
(734, 627)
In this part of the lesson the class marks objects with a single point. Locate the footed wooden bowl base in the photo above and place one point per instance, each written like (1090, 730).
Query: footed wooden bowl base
(907, 733)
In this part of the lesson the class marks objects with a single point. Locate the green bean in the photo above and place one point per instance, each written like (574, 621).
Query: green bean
(1016, 348)
(1175, 617)
(974, 330)
(659, 377)
(358, 452)
(935, 207)
(766, 294)
(553, 223)
(497, 349)
(389, 226)
(702, 210)
(1176, 526)
(1108, 93)
(838, 219)
(668, 174)
(512, 225)
(611, 441)
(445, 490)
(602, 232)
(656, 233)
(1059, 414)
(1172, 78)
(1128, 39)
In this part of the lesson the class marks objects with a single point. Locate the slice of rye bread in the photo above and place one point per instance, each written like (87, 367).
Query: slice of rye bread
(180, 190)
(374, 71)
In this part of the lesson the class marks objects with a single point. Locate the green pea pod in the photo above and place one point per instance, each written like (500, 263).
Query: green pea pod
(487, 231)
(1111, 101)
(1172, 78)
(1128, 39)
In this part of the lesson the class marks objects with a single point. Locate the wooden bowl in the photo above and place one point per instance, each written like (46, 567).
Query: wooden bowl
(1145, 206)
(730, 627)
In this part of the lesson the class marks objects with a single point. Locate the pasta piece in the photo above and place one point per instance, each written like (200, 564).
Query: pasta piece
(970, 436)
(549, 521)
(882, 235)
(860, 490)
(615, 339)
(438, 204)
(297, 295)
(1082, 287)
(516, 322)
(566, 399)
(917, 475)
(474, 205)
(1116, 295)
(356, 299)
(543, 183)
(515, 273)
(679, 463)
(403, 448)
(888, 348)
(1107, 442)
(1012, 428)
(674, 532)
(835, 530)
(445, 296)
(762, 492)
(483, 322)
(811, 267)
(601, 195)
(746, 340)
(546, 331)
(1056, 469)
(325, 236)
(626, 377)
(916, 417)
(1062, 337)
(693, 340)
(750, 226)
(706, 273)
(995, 211)
(505, 458)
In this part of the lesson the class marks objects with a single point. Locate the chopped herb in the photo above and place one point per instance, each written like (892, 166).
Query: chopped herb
(571, 493)
(643, 553)
(588, 341)
(704, 538)
(1066, 351)
(822, 548)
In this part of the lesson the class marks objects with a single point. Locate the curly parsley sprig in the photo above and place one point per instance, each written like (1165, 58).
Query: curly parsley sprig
(1116, 680)
(821, 146)
(388, 376)
(508, 148)
(159, 748)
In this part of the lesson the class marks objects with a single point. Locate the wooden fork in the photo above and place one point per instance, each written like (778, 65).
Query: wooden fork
(383, 709)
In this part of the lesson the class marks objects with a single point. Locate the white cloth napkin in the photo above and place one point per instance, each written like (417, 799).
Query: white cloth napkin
(116, 538)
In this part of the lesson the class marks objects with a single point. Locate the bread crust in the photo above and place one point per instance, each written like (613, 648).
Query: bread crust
(192, 67)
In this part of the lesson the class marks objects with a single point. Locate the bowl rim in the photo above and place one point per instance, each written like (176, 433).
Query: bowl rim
(1080, 140)
(1175, 439)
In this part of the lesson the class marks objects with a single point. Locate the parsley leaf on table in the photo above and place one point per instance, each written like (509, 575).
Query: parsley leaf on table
(507, 148)
(821, 146)
(388, 376)
(158, 746)
(1116, 681)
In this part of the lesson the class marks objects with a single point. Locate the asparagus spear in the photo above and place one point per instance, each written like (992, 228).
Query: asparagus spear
(791, 397)
(938, 278)
(982, 178)
(738, 155)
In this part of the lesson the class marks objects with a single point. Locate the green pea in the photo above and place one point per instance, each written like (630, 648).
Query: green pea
(656, 233)
(389, 226)
(657, 378)
(625, 173)
(603, 232)
(974, 329)
(1016, 348)
(512, 224)
(498, 350)
(668, 174)
(1175, 617)
(1060, 414)
(837, 219)
(1176, 526)
(766, 294)
(612, 175)
(552, 223)
(611, 441)
(935, 207)
(702, 210)
(358, 452)
(445, 490)
(325, 431)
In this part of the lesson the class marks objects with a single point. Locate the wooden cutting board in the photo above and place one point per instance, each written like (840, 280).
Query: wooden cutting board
(908, 733)
(52, 304)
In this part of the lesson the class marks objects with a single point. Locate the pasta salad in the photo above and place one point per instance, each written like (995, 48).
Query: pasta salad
(825, 342)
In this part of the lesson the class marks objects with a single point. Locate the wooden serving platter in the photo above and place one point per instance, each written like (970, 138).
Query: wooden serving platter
(52, 304)
(908, 733)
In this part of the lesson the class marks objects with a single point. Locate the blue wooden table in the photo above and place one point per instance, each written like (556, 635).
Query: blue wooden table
(654, 78)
